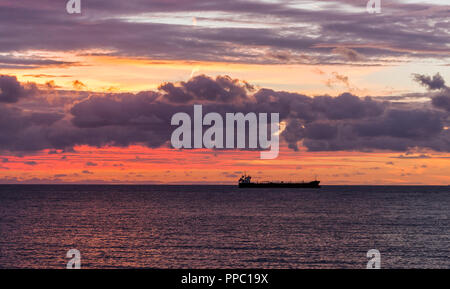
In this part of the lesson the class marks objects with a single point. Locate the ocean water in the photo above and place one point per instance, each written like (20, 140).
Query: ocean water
(223, 226)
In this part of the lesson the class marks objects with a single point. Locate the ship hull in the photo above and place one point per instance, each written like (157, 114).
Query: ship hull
(314, 184)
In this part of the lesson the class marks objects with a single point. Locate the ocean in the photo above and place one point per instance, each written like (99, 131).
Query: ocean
(156, 226)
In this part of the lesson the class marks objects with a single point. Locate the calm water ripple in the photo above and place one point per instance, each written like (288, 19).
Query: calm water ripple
(223, 226)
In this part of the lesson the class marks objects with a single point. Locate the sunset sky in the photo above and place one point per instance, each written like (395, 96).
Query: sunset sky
(87, 98)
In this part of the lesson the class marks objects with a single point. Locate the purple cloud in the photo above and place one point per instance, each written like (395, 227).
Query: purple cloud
(435, 82)
(333, 33)
(10, 89)
(321, 123)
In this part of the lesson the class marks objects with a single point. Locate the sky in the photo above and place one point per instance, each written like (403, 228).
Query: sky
(88, 98)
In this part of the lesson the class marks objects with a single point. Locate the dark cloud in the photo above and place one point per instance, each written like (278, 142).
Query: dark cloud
(394, 129)
(347, 106)
(403, 123)
(435, 82)
(442, 101)
(22, 130)
(59, 175)
(10, 89)
(345, 122)
(318, 130)
(203, 88)
(116, 109)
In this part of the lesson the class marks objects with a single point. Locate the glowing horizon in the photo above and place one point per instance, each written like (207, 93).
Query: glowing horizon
(86, 100)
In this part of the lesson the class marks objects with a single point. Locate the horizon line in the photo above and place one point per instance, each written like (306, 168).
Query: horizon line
(206, 184)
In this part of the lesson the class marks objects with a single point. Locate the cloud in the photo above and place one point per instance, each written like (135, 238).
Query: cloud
(296, 34)
(348, 54)
(321, 123)
(59, 175)
(78, 85)
(338, 78)
(230, 175)
(435, 82)
(442, 101)
(23, 130)
(14, 62)
(421, 156)
(394, 129)
(203, 88)
(51, 84)
(347, 106)
(10, 89)
(410, 124)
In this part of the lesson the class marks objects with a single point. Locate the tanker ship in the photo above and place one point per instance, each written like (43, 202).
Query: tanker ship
(245, 182)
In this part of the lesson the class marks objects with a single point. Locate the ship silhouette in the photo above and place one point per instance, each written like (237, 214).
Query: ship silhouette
(245, 182)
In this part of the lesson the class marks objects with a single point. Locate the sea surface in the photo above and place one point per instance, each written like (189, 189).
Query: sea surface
(224, 226)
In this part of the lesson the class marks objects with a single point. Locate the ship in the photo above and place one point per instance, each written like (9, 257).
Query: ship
(245, 182)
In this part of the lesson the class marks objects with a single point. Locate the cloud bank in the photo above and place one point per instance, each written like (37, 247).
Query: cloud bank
(321, 123)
